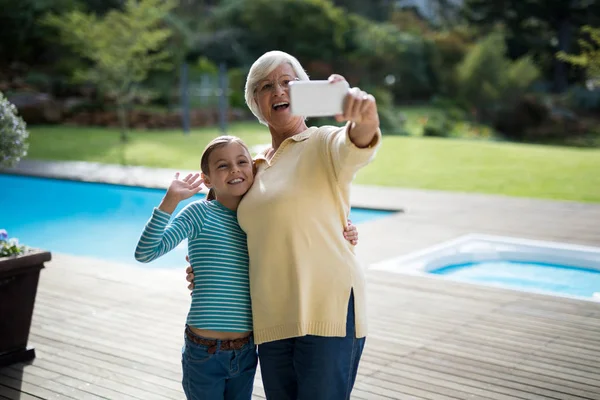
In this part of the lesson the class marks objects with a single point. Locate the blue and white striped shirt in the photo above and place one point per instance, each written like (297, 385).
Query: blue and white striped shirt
(219, 257)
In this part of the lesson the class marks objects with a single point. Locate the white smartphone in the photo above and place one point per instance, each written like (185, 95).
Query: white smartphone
(317, 98)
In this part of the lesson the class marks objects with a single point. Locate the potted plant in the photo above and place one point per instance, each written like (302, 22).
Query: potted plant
(19, 266)
(19, 274)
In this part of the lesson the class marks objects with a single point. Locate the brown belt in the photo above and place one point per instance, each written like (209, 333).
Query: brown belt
(234, 344)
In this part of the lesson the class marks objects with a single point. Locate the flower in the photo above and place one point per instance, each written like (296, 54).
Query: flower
(10, 247)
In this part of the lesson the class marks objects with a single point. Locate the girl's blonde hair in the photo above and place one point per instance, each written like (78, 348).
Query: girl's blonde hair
(217, 143)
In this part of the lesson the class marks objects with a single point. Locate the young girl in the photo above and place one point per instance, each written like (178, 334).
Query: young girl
(219, 358)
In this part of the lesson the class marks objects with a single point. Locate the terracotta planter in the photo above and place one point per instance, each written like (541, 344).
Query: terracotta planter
(18, 286)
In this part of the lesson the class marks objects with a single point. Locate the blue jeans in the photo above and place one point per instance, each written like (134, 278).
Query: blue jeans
(312, 367)
(227, 375)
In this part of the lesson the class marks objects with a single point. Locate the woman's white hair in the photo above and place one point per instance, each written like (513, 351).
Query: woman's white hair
(262, 67)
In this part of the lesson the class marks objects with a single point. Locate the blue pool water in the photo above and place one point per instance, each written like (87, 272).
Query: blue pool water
(90, 219)
(527, 276)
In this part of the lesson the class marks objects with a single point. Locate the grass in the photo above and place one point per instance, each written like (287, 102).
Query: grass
(164, 148)
(416, 117)
(415, 162)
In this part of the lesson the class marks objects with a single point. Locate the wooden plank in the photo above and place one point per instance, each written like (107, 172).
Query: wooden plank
(12, 394)
(45, 392)
(433, 389)
(482, 377)
(374, 391)
(524, 365)
(541, 328)
(522, 345)
(125, 336)
(127, 381)
(115, 346)
(521, 353)
(528, 335)
(94, 355)
(558, 387)
(446, 383)
(53, 384)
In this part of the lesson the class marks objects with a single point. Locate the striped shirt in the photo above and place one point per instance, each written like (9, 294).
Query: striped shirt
(218, 255)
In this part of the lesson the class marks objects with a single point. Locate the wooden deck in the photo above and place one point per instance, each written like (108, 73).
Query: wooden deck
(107, 331)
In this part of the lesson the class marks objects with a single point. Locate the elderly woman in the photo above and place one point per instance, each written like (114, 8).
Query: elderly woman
(307, 287)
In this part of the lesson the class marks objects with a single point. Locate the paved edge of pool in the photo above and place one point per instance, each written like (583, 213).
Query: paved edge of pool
(368, 197)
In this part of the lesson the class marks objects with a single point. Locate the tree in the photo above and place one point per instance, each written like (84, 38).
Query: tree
(122, 47)
(309, 29)
(376, 10)
(589, 58)
(535, 26)
(29, 50)
(22, 39)
(440, 13)
(380, 54)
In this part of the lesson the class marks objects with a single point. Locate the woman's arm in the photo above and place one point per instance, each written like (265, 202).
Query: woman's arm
(159, 237)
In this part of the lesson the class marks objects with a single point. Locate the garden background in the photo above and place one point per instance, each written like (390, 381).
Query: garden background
(474, 96)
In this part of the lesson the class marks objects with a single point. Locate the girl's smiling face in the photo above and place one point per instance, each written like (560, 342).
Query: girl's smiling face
(230, 171)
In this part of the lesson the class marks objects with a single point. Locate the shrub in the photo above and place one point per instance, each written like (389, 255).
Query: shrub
(542, 120)
(392, 121)
(448, 49)
(437, 126)
(412, 70)
(13, 134)
(515, 120)
(237, 80)
(488, 79)
(495, 88)
(584, 99)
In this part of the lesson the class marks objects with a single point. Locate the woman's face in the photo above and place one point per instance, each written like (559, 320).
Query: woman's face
(273, 97)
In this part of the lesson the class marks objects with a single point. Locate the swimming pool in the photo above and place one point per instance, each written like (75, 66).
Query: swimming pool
(522, 275)
(528, 265)
(91, 219)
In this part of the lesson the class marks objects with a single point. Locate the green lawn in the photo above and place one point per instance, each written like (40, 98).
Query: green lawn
(445, 164)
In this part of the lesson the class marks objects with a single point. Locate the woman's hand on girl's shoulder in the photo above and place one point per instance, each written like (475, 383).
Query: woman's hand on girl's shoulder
(189, 274)
(351, 233)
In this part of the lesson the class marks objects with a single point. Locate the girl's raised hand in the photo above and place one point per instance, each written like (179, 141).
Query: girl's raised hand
(182, 189)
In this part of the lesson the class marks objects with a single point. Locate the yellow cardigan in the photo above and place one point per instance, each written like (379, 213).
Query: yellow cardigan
(302, 270)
